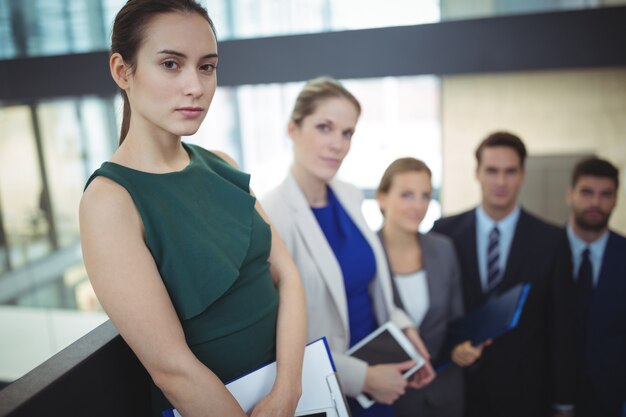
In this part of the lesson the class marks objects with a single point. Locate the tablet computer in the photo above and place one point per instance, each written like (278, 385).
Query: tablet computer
(386, 344)
(323, 412)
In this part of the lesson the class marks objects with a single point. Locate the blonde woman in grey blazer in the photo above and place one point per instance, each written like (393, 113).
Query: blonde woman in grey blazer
(426, 281)
(321, 127)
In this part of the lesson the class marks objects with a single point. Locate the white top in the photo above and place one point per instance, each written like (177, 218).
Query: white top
(413, 290)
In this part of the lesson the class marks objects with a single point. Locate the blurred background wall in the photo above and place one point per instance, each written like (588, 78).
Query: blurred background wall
(556, 113)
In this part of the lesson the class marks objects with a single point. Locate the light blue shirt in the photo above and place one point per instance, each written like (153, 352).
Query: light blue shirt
(484, 226)
(596, 252)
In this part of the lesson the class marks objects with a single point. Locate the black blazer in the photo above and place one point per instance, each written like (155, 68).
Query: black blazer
(514, 376)
(605, 338)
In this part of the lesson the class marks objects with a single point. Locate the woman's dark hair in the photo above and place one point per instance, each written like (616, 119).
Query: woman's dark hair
(129, 28)
(314, 92)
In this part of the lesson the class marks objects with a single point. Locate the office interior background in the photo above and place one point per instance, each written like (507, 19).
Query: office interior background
(60, 115)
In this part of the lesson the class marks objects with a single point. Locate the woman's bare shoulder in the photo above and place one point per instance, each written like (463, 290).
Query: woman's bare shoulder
(105, 201)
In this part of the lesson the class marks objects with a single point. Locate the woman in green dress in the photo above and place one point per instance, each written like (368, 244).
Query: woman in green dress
(180, 254)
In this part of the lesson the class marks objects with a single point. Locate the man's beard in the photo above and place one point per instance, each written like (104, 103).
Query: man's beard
(591, 225)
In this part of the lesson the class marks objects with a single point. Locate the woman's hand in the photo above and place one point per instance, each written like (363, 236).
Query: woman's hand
(278, 403)
(465, 354)
(426, 374)
(385, 383)
(416, 340)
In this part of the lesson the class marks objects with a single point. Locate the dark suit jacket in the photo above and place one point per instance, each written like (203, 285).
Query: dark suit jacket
(605, 338)
(513, 377)
(444, 396)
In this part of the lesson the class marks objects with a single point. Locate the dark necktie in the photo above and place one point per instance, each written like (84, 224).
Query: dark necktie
(584, 284)
(584, 290)
(493, 259)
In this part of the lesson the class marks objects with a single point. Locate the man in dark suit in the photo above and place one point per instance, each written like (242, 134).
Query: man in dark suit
(500, 245)
(598, 260)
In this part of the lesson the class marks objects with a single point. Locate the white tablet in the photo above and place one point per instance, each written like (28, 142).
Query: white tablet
(387, 344)
(322, 412)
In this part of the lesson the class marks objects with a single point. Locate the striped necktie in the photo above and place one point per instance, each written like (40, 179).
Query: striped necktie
(493, 259)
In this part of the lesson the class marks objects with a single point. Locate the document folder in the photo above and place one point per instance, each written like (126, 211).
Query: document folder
(494, 318)
(321, 392)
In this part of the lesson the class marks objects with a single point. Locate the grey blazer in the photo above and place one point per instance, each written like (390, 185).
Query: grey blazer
(321, 274)
(444, 396)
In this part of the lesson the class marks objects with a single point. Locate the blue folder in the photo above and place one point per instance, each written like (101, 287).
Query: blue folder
(497, 316)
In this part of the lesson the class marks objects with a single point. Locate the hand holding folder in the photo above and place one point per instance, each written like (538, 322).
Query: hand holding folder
(466, 354)
(497, 316)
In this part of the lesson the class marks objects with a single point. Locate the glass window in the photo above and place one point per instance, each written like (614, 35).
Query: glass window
(258, 18)
(24, 223)
(39, 237)
(48, 27)
(75, 142)
(463, 9)
(44, 285)
(7, 47)
(61, 131)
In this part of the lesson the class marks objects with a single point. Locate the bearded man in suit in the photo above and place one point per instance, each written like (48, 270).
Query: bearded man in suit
(598, 274)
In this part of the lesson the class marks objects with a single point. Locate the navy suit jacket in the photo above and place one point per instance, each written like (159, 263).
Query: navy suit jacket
(514, 376)
(605, 336)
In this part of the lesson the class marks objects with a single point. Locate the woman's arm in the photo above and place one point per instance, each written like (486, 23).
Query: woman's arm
(129, 287)
(426, 374)
(290, 332)
(290, 328)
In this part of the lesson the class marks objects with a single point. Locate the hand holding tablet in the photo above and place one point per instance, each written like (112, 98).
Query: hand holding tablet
(387, 345)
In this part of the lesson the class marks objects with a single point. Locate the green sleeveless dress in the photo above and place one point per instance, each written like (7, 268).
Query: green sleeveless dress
(211, 248)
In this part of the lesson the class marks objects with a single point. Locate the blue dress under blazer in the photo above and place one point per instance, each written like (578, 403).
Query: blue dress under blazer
(358, 266)
(444, 397)
(321, 273)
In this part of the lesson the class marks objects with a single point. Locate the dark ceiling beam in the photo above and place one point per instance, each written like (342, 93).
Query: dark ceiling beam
(574, 39)
(588, 38)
